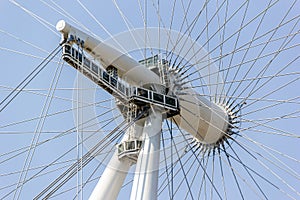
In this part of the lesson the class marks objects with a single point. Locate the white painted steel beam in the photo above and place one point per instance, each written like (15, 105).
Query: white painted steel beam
(111, 181)
(147, 168)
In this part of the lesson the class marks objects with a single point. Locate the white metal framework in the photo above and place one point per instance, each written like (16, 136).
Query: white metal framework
(164, 100)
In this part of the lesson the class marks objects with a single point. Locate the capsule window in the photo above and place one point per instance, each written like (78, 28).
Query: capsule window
(95, 68)
(113, 81)
(87, 62)
(80, 57)
(73, 52)
(134, 91)
(67, 49)
(121, 87)
(142, 93)
(100, 72)
(158, 97)
(105, 76)
(170, 101)
(130, 145)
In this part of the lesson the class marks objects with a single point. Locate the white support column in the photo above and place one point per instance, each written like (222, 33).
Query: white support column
(146, 175)
(111, 181)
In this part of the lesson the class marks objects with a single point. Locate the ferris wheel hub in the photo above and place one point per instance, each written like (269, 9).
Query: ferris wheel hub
(203, 119)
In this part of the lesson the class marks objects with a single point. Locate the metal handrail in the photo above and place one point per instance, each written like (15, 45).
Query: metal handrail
(113, 85)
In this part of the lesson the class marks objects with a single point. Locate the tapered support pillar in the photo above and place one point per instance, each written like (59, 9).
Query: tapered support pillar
(114, 175)
(146, 175)
(111, 180)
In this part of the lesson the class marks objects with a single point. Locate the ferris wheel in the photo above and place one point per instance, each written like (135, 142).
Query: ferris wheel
(150, 100)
